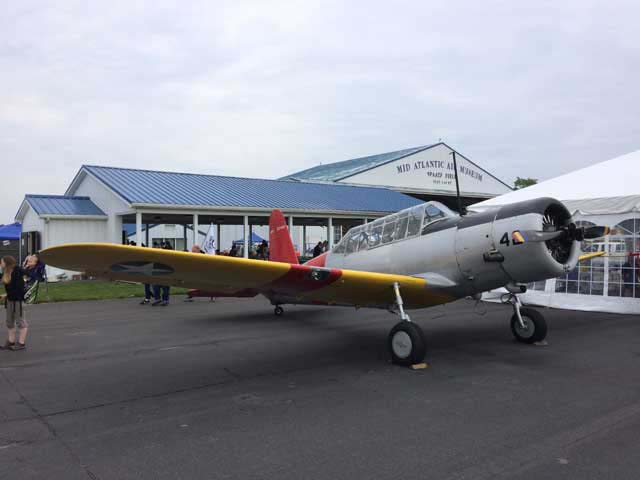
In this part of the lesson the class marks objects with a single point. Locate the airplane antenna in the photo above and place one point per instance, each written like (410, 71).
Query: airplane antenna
(461, 209)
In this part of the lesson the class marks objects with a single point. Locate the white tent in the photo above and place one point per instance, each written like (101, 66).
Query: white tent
(607, 193)
(619, 178)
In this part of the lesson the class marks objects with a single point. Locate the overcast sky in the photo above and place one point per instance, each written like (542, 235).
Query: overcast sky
(265, 88)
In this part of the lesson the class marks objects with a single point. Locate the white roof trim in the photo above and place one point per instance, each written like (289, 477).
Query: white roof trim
(22, 211)
(80, 176)
(48, 216)
(250, 210)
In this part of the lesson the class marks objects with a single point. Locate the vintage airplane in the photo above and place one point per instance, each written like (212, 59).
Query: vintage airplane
(419, 257)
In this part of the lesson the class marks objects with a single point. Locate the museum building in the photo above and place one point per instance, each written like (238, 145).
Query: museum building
(123, 205)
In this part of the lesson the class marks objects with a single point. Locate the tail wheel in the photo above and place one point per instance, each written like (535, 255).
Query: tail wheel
(535, 326)
(278, 311)
(407, 344)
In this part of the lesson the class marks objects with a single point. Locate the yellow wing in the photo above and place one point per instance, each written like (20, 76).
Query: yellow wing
(238, 276)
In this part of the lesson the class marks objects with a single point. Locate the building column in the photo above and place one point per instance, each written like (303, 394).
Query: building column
(330, 234)
(290, 220)
(138, 228)
(245, 236)
(218, 246)
(196, 227)
(146, 235)
(184, 231)
(304, 241)
(115, 225)
(605, 280)
(364, 221)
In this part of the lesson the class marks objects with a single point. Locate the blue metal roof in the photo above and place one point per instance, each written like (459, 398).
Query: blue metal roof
(169, 188)
(333, 172)
(62, 205)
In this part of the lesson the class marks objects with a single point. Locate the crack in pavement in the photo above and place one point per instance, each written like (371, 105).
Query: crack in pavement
(505, 466)
(51, 430)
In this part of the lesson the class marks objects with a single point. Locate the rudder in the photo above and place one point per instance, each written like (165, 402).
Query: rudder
(280, 245)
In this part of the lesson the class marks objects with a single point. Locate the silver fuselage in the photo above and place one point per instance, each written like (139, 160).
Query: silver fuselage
(458, 253)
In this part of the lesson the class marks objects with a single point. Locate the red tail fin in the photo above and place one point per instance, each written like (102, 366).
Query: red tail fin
(280, 246)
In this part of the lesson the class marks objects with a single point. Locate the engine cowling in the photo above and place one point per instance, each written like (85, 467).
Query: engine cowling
(491, 252)
(526, 260)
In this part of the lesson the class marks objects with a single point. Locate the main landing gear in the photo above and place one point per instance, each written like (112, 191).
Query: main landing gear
(527, 325)
(406, 341)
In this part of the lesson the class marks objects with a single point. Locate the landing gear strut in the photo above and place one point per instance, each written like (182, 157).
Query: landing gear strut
(406, 341)
(527, 325)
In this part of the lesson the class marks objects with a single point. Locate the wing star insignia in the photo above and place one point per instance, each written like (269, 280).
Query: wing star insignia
(152, 269)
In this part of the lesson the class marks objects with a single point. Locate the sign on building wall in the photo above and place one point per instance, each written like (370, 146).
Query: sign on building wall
(431, 171)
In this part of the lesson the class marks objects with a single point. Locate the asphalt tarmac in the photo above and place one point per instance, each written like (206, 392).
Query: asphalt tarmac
(114, 390)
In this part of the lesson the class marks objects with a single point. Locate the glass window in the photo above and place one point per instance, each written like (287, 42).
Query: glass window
(389, 229)
(401, 226)
(340, 247)
(415, 220)
(622, 268)
(352, 241)
(614, 289)
(363, 238)
(375, 237)
(432, 213)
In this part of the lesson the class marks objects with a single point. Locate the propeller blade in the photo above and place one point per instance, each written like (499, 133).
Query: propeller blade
(537, 236)
(587, 256)
(591, 233)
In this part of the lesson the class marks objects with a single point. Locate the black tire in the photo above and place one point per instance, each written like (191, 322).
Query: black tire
(406, 344)
(278, 311)
(536, 326)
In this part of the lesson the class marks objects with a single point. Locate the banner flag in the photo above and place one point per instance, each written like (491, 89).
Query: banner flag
(209, 245)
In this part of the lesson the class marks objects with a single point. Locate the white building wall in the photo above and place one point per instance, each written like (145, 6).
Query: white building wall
(108, 202)
(59, 231)
(73, 231)
(432, 170)
(32, 222)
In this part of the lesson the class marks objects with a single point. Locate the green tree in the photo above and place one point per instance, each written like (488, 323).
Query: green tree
(524, 182)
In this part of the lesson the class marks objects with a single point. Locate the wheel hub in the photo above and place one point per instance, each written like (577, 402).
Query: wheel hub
(528, 330)
(401, 344)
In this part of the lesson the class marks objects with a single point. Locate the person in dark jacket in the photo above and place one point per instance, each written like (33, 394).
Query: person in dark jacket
(317, 250)
(163, 290)
(263, 250)
(13, 280)
(149, 291)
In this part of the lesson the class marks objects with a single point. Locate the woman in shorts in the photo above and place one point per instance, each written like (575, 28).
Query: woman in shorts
(13, 280)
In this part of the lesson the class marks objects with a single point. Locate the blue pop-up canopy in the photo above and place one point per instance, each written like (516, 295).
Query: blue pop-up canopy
(255, 238)
(10, 232)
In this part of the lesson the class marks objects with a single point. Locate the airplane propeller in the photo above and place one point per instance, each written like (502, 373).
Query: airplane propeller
(570, 232)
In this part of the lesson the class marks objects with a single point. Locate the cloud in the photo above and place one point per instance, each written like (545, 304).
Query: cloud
(268, 88)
